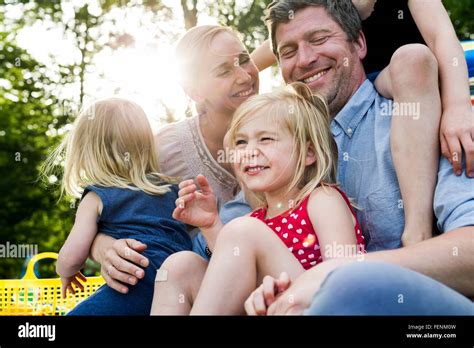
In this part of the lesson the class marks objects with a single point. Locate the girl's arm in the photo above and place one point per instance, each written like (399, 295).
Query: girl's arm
(333, 222)
(75, 250)
(456, 121)
(263, 56)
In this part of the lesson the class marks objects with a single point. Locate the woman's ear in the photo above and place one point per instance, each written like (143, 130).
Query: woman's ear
(192, 92)
(310, 154)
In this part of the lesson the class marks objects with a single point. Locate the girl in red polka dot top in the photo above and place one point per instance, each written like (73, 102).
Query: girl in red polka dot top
(284, 155)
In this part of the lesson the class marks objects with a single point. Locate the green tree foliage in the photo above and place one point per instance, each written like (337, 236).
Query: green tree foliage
(461, 13)
(29, 213)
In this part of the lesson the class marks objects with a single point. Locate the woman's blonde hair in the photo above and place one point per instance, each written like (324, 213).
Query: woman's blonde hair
(307, 118)
(111, 144)
(191, 48)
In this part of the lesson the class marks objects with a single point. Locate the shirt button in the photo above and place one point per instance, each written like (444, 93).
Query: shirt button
(349, 130)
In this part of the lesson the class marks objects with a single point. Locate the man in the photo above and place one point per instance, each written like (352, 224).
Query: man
(321, 43)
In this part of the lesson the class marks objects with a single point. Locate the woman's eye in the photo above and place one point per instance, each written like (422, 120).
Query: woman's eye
(267, 139)
(224, 73)
(244, 60)
(240, 142)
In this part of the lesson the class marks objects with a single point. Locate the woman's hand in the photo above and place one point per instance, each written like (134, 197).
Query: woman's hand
(456, 135)
(68, 281)
(196, 208)
(266, 294)
(120, 260)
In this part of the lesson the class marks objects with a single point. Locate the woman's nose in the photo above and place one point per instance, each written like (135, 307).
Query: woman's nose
(243, 76)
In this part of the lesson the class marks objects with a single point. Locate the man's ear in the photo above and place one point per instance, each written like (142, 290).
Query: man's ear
(310, 154)
(361, 46)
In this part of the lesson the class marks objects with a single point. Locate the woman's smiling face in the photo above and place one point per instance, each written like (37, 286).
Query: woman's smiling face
(266, 154)
(228, 76)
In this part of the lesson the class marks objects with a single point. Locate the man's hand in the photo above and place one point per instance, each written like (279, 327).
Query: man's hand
(456, 135)
(121, 264)
(196, 208)
(266, 294)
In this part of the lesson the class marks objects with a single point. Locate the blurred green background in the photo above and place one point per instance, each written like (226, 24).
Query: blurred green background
(41, 93)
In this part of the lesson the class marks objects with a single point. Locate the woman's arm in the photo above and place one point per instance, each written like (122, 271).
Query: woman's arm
(263, 56)
(76, 248)
(457, 128)
(333, 222)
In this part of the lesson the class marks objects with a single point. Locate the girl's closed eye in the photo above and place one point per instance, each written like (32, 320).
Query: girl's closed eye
(266, 139)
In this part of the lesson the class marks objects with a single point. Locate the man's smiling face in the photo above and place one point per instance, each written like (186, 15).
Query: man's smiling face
(315, 50)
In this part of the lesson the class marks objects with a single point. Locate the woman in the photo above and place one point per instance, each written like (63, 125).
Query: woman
(218, 74)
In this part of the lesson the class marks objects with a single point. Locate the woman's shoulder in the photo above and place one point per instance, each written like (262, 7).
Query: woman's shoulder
(171, 142)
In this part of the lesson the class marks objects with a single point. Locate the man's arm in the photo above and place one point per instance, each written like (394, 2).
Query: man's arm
(448, 258)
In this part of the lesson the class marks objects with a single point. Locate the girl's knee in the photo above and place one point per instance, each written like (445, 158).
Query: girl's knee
(242, 229)
(414, 62)
(181, 264)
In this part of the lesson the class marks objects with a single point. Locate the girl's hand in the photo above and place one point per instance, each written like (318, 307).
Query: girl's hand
(68, 281)
(299, 295)
(196, 208)
(456, 134)
(266, 294)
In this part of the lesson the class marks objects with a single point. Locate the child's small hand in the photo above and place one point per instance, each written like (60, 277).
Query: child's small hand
(456, 135)
(68, 281)
(266, 294)
(196, 208)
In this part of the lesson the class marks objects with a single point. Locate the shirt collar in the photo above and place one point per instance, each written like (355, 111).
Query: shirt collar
(356, 108)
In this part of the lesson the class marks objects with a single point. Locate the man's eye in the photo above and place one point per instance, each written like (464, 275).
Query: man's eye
(287, 54)
(319, 40)
(224, 73)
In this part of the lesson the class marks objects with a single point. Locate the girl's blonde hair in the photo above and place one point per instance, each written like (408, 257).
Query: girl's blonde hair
(307, 118)
(111, 145)
(191, 48)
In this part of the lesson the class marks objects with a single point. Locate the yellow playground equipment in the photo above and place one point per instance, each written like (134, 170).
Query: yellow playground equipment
(33, 296)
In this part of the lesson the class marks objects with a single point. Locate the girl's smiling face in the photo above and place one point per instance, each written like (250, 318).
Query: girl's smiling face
(266, 154)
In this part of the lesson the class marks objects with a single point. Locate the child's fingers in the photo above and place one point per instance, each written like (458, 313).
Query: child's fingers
(64, 290)
(71, 289)
(186, 190)
(259, 302)
(445, 148)
(248, 306)
(283, 282)
(78, 284)
(203, 184)
(468, 146)
(456, 154)
(185, 183)
(268, 290)
(181, 201)
(81, 277)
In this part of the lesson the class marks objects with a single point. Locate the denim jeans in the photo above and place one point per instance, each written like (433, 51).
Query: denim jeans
(375, 288)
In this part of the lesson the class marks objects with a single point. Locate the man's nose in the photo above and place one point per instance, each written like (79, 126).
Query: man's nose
(307, 56)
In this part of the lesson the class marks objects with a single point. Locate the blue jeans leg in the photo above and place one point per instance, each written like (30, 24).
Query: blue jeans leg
(375, 288)
(108, 302)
